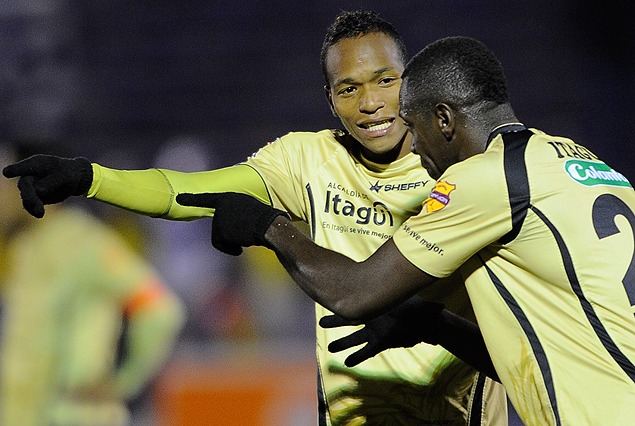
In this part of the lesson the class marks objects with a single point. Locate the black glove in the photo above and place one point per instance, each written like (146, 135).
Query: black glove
(46, 179)
(239, 221)
(410, 323)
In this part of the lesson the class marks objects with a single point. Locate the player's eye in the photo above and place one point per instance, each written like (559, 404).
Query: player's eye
(387, 80)
(347, 90)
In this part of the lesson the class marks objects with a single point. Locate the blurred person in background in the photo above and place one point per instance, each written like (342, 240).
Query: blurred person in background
(353, 188)
(86, 322)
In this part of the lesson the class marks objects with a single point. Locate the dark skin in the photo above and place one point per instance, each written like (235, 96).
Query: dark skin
(360, 291)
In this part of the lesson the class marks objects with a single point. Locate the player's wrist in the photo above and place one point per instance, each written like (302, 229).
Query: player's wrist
(278, 228)
(265, 220)
(85, 174)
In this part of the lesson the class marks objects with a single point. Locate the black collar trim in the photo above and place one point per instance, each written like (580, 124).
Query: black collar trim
(505, 128)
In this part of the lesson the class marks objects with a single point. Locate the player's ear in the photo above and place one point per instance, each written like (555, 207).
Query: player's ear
(329, 99)
(446, 120)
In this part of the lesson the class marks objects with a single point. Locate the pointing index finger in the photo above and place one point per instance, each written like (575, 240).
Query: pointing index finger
(32, 166)
(11, 171)
(205, 199)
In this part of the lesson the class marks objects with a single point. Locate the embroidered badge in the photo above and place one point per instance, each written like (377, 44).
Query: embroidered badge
(439, 197)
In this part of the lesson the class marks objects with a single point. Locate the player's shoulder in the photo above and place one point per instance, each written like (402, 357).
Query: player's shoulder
(326, 136)
(325, 141)
(481, 176)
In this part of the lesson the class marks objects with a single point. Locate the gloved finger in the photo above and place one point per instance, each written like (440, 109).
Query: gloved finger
(346, 342)
(30, 200)
(332, 321)
(205, 199)
(35, 166)
(360, 356)
(10, 171)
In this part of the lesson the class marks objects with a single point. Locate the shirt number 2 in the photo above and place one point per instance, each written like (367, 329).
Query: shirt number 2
(605, 209)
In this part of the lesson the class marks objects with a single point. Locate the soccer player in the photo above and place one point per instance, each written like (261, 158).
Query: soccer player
(539, 226)
(68, 285)
(354, 189)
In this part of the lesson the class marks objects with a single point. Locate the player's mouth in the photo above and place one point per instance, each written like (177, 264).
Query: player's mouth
(376, 128)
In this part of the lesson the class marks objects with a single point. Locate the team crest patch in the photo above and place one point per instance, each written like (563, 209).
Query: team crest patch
(439, 197)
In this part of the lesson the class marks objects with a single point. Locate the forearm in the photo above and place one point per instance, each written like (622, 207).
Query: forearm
(151, 192)
(142, 191)
(356, 291)
(463, 338)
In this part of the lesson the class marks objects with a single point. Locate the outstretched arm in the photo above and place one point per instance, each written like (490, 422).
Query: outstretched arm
(47, 179)
(366, 289)
(354, 290)
(151, 192)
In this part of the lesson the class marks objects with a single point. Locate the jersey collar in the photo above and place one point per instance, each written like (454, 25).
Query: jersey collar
(505, 128)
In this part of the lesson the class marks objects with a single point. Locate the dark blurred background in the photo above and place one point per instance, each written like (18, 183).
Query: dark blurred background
(129, 75)
(194, 85)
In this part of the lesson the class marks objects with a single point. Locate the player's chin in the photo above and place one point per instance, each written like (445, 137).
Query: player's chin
(382, 145)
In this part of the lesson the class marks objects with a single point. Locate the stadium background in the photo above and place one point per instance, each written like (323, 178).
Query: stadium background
(197, 84)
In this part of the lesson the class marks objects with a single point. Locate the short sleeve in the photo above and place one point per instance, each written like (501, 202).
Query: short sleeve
(282, 164)
(466, 211)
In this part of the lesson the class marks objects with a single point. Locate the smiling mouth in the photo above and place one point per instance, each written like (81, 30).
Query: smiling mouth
(377, 125)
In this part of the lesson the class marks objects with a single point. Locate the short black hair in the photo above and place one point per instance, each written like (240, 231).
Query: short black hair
(357, 24)
(458, 70)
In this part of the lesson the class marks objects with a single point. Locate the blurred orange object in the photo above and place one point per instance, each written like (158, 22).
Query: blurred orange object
(244, 391)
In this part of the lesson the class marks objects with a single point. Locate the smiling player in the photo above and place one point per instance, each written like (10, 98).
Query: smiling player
(354, 189)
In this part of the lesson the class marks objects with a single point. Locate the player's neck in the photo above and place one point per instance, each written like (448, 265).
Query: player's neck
(398, 151)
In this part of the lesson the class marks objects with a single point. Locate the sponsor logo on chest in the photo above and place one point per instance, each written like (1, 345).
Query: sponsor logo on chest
(378, 213)
(403, 186)
(365, 209)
